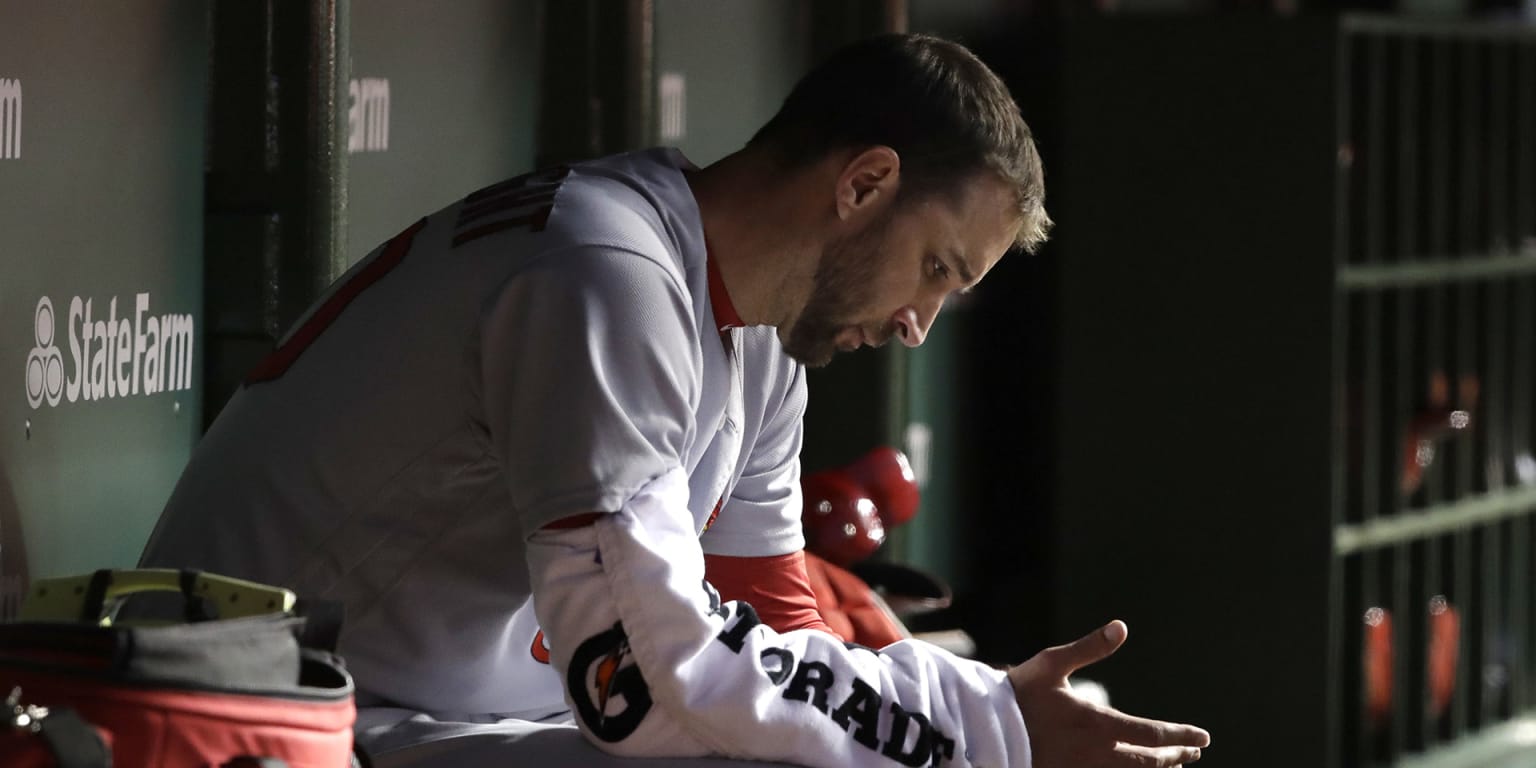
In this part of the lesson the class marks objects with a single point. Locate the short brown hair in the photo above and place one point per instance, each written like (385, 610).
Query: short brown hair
(932, 101)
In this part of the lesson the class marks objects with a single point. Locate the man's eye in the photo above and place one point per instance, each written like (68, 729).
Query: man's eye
(939, 268)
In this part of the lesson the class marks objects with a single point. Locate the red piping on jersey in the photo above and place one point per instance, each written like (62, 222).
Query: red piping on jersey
(720, 299)
(574, 521)
(280, 360)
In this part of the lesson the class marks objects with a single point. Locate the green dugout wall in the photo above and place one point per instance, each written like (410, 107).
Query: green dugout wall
(114, 123)
(425, 103)
(441, 101)
(722, 69)
(101, 315)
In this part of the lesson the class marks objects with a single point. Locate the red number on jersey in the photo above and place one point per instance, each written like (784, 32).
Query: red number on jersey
(525, 201)
(277, 363)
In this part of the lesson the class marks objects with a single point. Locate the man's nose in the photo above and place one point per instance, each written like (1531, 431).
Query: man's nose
(912, 327)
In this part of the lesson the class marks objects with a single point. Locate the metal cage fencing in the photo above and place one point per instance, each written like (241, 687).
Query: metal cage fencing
(1435, 486)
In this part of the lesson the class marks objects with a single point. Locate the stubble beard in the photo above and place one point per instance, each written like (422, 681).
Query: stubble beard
(844, 282)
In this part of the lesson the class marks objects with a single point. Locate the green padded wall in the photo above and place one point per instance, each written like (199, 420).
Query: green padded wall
(737, 60)
(100, 204)
(938, 439)
(444, 102)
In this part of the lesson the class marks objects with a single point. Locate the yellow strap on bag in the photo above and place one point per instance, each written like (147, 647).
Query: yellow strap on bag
(92, 598)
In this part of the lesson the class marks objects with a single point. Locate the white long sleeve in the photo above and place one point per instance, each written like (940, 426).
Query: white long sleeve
(656, 665)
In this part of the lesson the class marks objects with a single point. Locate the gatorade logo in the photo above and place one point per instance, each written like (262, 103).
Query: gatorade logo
(540, 648)
(10, 119)
(610, 695)
(140, 353)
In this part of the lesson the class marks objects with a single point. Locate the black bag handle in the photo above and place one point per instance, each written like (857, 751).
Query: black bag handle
(74, 743)
(93, 606)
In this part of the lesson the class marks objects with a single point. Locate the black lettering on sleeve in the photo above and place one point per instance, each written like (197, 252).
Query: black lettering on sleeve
(735, 636)
(896, 747)
(861, 708)
(810, 683)
(715, 606)
(778, 663)
(943, 747)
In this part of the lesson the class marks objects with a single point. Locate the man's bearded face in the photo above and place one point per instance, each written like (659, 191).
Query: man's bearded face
(844, 289)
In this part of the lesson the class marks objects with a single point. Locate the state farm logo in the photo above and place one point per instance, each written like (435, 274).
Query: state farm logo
(45, 366)
(139, 353)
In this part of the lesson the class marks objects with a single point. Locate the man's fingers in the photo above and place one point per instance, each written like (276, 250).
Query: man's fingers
(1155, 733)
(1132, 756)
(1088, 649)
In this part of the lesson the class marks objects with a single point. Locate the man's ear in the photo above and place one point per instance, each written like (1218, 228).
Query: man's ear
(868, 182)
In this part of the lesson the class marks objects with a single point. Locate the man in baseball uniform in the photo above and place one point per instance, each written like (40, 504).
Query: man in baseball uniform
(542, 441)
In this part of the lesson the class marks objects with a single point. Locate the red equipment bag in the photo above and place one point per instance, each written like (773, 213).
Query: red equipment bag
(231, 692)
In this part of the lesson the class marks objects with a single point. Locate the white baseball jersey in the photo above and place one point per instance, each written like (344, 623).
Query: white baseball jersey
(546, 348)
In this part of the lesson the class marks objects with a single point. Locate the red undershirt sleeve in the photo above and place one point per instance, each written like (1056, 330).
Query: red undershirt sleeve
(777, 587)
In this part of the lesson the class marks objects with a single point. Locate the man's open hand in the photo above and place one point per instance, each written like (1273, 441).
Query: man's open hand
(1068, 732)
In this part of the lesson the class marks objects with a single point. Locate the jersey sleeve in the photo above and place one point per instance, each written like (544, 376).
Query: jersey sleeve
(761, 516)
(656, 664)
(589, 370)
